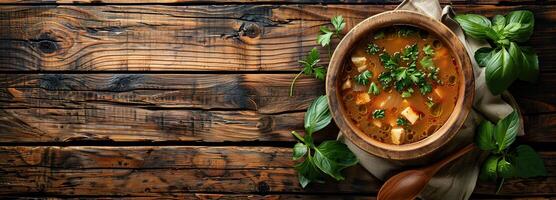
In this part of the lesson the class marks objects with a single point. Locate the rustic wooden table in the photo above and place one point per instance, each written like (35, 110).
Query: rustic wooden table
(189, 99)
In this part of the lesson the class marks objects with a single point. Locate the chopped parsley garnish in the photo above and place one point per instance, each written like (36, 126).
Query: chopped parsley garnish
(425, 88)
(428, 50)
(390, 62)
(430, 103)
(385, 79)
(373, 89)
(410, 52)
(406, 31)
(427, 63)
(407, 93)
(402, 121)
(379, 114)
(373, 48)
(379, 35)
(363, 78)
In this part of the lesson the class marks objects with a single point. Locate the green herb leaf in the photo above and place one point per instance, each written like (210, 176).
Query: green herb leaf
(505, 169)
(317, 116)
(498, 23)
(430, 103)
(410, 52)
(320, 73)
(506, 131)
(401, 121)
(373, 89)
(500, 71)
(529, 67)
(405, 31)
(428, 50)
(379, 35)
(489, 168)
(373, 48)
(325, 36)
(379, 114)
(519, 25)
(363, 78)
(332, 157)
(338, 23)
(385, 79)
(485, 136)
(307, 172)
(482, 55)
(299, 150)
(389, 62)
(475, 26)
(528, 163)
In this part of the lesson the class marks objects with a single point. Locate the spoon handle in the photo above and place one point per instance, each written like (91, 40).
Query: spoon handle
(437, 166)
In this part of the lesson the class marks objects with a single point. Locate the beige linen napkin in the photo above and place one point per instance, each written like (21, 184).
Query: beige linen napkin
(457, 180)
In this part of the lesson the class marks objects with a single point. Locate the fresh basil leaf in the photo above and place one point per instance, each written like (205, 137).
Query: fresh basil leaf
(482, 55)
(307, 172)
(332, 157)
(506, 130)
(317, 116)
(498, 23)
(489, 168)
(500, 71)
(505, 169)
(521, 24)
(474, 25)
(528, 163)
(299, 150)
(485, 136)
(529, 68)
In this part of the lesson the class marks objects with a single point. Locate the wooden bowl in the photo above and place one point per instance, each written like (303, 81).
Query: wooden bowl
(444, 134)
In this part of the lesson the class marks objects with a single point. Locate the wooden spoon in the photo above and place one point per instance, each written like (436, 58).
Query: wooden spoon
(408, 184)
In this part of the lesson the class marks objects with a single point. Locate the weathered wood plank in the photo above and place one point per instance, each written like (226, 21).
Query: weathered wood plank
(198, 38)
(264, 93)
(123, 123)
(269, 1)
(150, 171)
(207, 196)
(146, 157)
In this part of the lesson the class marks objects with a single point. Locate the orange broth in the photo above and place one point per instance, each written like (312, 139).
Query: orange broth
(404, 119)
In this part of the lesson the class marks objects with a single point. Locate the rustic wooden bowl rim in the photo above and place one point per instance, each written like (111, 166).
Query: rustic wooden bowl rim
(441, 136)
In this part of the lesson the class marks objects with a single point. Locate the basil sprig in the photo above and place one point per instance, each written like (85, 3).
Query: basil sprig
(507, 61)
(330, 157)
(504, 162)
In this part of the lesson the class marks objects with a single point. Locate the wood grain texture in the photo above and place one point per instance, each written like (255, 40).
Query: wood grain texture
(268, 1)
(123, 123)
(155, 171)
(192, 38)
(264, 93)
(221, 196)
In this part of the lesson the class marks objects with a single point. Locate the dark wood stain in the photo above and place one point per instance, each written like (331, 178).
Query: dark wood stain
(208, 84)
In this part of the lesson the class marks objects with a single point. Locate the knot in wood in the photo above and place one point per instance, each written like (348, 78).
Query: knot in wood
(263, 187)
(47, 46)
(251, 30)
